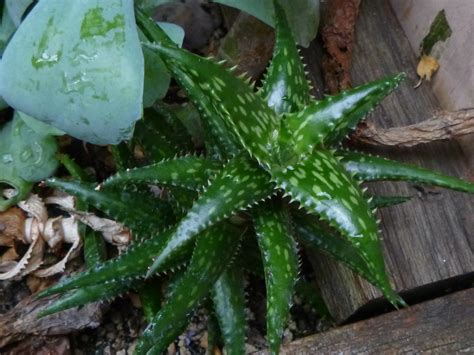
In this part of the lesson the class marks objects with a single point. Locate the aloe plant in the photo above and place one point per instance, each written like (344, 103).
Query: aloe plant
(273, 171)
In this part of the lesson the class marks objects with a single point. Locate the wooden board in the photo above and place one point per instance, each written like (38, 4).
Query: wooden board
(442, 326)
(430, 238)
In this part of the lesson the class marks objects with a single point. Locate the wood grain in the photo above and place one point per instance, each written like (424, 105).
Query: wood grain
(430, 238)
(441, 326)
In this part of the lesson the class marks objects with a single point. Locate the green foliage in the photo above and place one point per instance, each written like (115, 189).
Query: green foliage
(264, 149)
(27, 155)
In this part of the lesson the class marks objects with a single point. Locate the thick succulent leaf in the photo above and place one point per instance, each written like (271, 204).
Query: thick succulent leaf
(139, 210)
(213, 253)
(303, 15)
(280, 261)
(331, 119)
(25, 157)
(130, 265)
(7, 28)
(228, 296)
(314, 235)
(244, 112)
(32, 153)
(82, 59)
(387, 201)
(285, 87)
(220, 141)
(190, 172)
(16, 9)
(87, 295)
(157, 78)
(371, 168)
(39, 127)
(322, 186)
(241, 183)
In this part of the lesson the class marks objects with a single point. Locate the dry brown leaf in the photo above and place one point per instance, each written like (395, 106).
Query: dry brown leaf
(11, 226)
(40, 232)
(68, 231)
(427, 66)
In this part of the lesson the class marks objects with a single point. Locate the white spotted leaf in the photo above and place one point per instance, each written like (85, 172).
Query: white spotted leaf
(280, 262)
(239, 184)
(323, 187)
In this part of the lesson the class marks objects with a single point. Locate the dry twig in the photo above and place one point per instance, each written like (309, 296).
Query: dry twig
(442, 125)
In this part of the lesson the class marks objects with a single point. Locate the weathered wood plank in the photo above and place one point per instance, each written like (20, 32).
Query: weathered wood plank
(430, 238)
(441, 326)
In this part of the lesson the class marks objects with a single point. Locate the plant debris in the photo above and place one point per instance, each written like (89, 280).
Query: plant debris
(442, 125)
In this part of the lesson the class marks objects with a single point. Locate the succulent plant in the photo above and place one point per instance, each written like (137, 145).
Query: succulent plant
(273, 171)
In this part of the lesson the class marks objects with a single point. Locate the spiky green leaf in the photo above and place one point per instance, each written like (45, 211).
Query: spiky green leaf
(322, 186)
(241, 183)
(244, 112)
(371, 168)
(189, 172)
(228, 296)
(331, 119)
(87, 295)
(280, 261)
(285, 88)
(317, 236)
(213, 253)
(133, 207)
(130, 265)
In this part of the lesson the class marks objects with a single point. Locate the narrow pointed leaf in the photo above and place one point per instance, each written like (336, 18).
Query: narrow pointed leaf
(329, 120)
(189, 172)
(213, 253)
(280, 261)
(228, 296)
(244, 112)
(241, 183)
(285, 88)
(85, 61)
(140, 211)
(220, 141)
(321, 185)
(313, 235)
(87, 295)
(371, 168)
(130, 265)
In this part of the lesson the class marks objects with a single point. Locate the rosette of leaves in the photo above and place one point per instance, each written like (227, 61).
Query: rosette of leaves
(273, 177)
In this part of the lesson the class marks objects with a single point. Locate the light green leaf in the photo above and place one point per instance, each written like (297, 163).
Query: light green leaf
(7, 27)
(38, 126)
(157, 78)
(16, 9)
(303, 15)
(78, 67)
